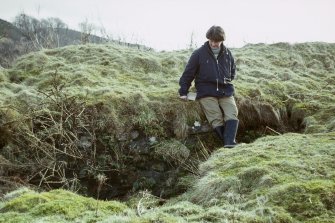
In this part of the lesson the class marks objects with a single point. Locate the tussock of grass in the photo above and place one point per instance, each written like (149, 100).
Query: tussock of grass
(286, 74)
(125, 71)
(292, 172)
(172, 151)
(3, 75)
(60, 204)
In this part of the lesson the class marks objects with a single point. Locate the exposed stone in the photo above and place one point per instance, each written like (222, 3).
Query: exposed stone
(134, 134)
(85, 142)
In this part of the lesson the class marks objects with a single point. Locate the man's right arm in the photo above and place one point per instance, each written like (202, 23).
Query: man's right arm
(188, 75)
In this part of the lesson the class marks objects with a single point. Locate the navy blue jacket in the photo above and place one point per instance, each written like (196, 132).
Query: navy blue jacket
(212, 75)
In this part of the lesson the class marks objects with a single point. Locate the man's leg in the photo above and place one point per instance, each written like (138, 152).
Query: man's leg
(229, 107)
(211, 108)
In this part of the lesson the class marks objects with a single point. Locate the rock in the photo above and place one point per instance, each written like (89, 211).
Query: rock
(134, 134)
(85, 142)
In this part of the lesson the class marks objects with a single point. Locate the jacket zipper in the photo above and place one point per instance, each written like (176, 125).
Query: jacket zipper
(218, 74)
(217, 78)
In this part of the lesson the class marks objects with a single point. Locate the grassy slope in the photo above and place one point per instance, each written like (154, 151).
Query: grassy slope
(102, 70)
(300, 75)
(298, 78)
(135, 85)
(286, 178)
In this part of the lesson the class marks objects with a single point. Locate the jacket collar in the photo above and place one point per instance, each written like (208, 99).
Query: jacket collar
(222, 48)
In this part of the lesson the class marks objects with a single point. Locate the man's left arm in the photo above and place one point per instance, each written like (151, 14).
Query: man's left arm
(232, 67)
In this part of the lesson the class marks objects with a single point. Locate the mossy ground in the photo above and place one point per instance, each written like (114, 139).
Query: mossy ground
(286, 178)
(58, 206)
(293, 173)
(282, 75)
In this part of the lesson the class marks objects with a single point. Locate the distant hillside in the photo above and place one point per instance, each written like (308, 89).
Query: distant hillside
(11, 43)
(8, 30)
(14, 42)
(66, 36)
(105, 121)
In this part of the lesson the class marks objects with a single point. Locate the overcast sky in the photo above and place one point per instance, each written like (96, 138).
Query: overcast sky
(169, 24)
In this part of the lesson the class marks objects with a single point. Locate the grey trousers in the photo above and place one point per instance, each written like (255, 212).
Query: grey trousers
(212, 108)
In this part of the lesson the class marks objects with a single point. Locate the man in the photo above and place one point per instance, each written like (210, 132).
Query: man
(212, 67)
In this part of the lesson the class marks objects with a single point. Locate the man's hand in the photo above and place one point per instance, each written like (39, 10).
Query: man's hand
(183, 97)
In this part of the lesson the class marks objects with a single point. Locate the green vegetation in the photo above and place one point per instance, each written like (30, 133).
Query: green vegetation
(101, 71)
(58, 206)
(3, 75)
(293, 173)
(288, 178)
(72, 113)
(298, 77)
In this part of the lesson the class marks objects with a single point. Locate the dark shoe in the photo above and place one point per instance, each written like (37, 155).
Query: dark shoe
(230, 131)
(220, 132)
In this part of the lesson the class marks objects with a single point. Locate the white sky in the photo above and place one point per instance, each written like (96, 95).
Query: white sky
(168, 24)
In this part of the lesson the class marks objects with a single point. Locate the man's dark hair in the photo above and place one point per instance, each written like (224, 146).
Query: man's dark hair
(216, 33)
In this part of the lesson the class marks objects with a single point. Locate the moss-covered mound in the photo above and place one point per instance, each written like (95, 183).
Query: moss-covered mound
(99, 71)
(283, 86)
(71, 114)
(299, 78)
(288, 178)
(56, 206)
